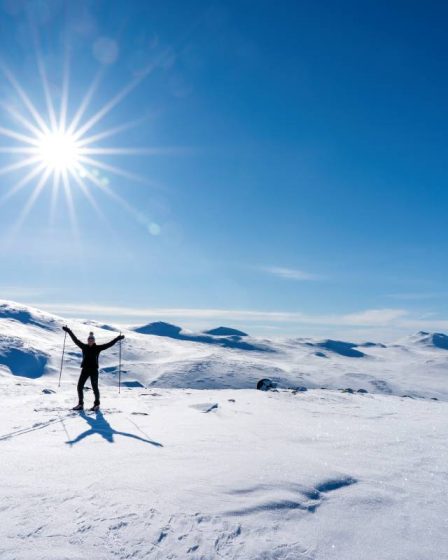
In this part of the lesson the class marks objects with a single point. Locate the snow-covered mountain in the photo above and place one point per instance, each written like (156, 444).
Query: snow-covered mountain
(164, 355)
(165, 470)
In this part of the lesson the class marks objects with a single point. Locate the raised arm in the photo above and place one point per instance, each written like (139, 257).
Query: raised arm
(102, 347)
(73, 337)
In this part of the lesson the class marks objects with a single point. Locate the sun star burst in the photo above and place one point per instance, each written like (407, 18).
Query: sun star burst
(61, 153)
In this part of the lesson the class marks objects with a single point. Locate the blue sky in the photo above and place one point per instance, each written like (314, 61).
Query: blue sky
(301, 184)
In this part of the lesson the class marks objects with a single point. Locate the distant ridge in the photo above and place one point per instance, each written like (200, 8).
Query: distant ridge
(347, 349)
(225, 331)
(437, 340)
(159, 328)
(223, 338)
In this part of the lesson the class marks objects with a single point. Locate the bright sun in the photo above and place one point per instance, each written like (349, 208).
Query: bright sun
(59, 151)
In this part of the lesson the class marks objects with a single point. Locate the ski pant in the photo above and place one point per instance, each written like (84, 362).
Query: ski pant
(85, 374)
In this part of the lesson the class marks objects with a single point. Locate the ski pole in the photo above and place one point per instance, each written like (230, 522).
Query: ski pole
(62, 359)
(119, 368)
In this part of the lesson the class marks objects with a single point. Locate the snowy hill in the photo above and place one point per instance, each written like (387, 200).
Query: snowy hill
(430, 340)
(164, 355)
(226, 331)
(228, 338)
(169, 471)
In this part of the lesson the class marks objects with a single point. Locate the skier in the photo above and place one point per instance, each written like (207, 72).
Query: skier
(89, 365)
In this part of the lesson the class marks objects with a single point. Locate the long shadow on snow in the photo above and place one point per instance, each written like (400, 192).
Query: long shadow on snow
(99, 425)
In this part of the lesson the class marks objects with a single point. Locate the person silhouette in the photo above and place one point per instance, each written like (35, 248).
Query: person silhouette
(89, 365)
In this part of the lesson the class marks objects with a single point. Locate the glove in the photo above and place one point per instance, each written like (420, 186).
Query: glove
(65, 328)
(121, 337)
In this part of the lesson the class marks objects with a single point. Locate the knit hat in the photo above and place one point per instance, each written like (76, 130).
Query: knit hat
(91, 336)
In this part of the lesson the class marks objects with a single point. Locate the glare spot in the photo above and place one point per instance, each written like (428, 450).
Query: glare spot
(154, 229)
(105, 50)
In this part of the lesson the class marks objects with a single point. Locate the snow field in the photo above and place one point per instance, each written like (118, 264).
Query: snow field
(163, 473)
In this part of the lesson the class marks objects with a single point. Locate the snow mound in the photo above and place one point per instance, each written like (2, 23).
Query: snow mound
(372, 345)
(159, 328)
(433, 340)
(225, 331)
(103, 326)
(217, 373)
(21, 360)
(347, 349)
(27, 315)
(172, 331)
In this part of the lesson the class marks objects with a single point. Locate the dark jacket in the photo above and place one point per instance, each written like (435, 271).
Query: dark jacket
(90, 353)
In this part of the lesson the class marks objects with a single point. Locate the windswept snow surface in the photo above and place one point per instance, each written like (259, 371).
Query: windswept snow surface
(167, 471)
(235, 474)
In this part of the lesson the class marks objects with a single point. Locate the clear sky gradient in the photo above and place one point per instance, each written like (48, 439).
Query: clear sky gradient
(301, 184)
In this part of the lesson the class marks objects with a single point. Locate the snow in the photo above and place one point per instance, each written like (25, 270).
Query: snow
(168, 470)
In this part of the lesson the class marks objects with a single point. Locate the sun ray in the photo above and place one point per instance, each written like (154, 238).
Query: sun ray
(48, 99)
(84, 189)
(21, 184)
(122, 94)
(113, 169)
(65, 86)
(110, 193)
(128, 151)
(31, 201)
(17, 136)
(68, 194)
(85, 102)
(44, 79)
(16, 150)
(107, 107)
(21, 119)
(23, 96)
(54, 195)
(111, 132)
(71, 209)
(18, 165)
